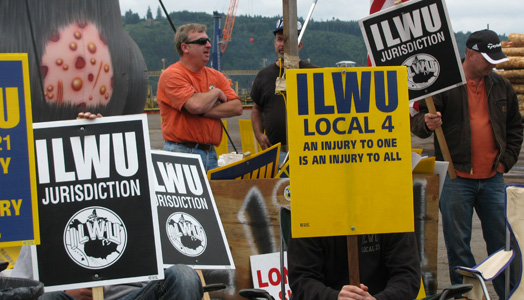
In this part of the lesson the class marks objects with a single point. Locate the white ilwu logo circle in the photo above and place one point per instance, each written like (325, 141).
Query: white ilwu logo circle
(95, 237)
(423, 71)
(186, 234)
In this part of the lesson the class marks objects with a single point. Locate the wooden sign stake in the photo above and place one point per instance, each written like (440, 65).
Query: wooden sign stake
(442, 140)
(98, 293)
(206, 295)
(353, 267)
(290, 32)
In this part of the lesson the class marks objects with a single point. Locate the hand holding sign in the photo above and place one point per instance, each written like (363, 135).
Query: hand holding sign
(88, 115)
(442, 139)
(81, 294)
(433, 120)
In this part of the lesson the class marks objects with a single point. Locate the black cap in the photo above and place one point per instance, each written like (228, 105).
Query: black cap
(487, 42)
(280, 26)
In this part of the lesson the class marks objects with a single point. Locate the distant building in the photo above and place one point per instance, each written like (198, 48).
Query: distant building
(346, 63)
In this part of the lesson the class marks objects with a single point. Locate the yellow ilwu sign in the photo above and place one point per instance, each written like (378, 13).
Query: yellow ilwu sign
(350, 151)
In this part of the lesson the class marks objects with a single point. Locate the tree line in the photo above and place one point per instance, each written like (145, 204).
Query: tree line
(251, 47)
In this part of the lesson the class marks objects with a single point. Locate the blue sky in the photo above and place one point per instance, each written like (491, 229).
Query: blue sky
(503, 16)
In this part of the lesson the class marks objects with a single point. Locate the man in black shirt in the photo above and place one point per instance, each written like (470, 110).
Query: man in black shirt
(389, 267)
(269, 110)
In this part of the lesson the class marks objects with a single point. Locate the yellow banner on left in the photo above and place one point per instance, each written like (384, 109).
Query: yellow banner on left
(350, 151)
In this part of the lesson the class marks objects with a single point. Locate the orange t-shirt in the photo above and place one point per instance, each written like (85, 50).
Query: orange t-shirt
(175, 86)
(483, 147)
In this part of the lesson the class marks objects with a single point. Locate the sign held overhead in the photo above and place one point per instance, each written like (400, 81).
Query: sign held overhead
(418, 35)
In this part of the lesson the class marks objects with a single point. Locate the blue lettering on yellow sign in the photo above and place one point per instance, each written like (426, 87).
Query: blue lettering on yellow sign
(323, 126)
(310, 146)
(320, 106)
(357, 93)
(361, 99)
(319, 160)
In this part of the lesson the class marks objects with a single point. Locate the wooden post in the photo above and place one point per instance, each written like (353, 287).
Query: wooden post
(98, 293)
(442, 140)
(353, 267)
(290, 31)
(206, 295)
(290, 34)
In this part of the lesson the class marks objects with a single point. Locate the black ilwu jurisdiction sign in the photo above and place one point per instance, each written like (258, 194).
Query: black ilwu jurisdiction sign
(191, 231)
(99, 225)
(416, 34)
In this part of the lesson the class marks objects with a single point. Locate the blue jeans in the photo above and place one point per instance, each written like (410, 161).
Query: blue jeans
(281, 157)
(180, 283)
(459, 198)
(209, 158)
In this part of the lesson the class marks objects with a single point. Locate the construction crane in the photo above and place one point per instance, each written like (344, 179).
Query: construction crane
(228, 26)
(222, 38)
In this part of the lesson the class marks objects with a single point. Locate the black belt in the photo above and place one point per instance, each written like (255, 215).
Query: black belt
(205, 147)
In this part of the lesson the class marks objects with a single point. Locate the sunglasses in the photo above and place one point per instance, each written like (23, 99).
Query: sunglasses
(200, 41)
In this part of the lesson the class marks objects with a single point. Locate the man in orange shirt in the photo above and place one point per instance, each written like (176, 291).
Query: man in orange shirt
(483, 130)
(192, 98)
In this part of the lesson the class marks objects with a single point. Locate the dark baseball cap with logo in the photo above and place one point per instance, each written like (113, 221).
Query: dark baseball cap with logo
(487, 42)
(280, 26)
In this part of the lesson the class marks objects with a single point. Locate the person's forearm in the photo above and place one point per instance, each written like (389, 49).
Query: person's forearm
(201, 103)
(225, 110)
(257, 119)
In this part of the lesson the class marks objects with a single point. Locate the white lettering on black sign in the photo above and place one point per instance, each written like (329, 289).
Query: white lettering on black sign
(88, 158)
(409, 26)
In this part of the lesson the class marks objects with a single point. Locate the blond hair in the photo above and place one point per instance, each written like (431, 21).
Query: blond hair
(183, 32)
